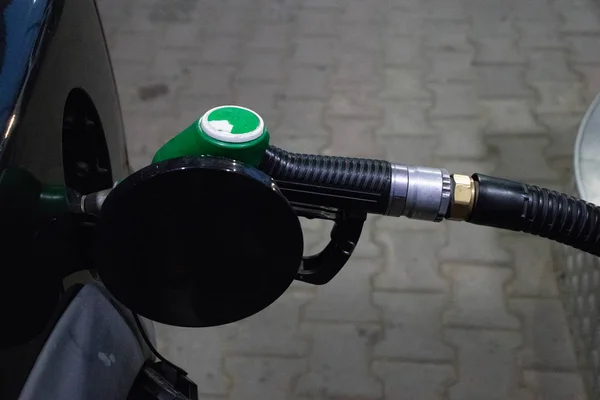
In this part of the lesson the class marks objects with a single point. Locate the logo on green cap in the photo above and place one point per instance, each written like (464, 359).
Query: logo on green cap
(234, 120)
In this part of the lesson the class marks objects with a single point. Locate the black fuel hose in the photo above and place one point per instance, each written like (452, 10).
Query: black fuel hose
(520, 207)
(365, 185)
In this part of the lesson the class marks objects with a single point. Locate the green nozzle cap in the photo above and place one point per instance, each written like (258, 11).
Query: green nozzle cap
(227, 131)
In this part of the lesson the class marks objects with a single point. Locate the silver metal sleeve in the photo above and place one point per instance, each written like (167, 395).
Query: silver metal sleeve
(92, 203)
(419, 192)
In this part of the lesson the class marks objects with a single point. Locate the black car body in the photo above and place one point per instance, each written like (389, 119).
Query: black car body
(60, 127)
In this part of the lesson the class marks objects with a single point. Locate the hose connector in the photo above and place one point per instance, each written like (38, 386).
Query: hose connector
(463, 197)
(419, 192)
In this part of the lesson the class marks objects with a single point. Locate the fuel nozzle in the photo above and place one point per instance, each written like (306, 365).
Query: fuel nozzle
(327, 186)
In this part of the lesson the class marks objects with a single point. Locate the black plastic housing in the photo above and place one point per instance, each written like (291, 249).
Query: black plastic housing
(343, 183)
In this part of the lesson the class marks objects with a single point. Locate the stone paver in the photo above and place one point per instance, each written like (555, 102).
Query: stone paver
(199, 353)
(422, 311)
(498, 51)
(477, 299)
(412, 327)
(473, 244)
(460, 138)
(549, 66)
(308, 82)
(559, 97)
(331, 302)
(408, 269)
(547, 341)
(488, 359)
(509, 117)
(404, 84)
(311, 125)
(443, 36)
(339, 363)
(281, 321)
(256, 376)
(450, 65)
(405, 119)
(563, 131)
(532, 265)
(405, 380)
(539, 35)
(454, 100)
(522, 158)
(410, 150)
(555, 385)
(498, 81)
(353, 138)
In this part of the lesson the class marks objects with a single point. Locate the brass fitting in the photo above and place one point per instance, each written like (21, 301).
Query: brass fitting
(463, 197)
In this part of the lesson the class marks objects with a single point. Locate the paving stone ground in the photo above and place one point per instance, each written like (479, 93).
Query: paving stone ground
(423, 311)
